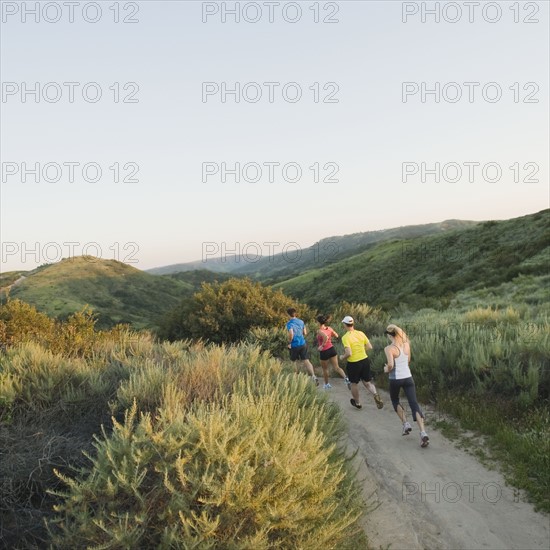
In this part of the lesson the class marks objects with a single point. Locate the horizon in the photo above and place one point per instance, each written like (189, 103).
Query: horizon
(228, 257)
(144, 130)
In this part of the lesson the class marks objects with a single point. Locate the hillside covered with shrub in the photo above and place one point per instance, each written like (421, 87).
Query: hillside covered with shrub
(430, 271)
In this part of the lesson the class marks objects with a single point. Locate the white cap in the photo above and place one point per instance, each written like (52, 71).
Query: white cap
(348, 320)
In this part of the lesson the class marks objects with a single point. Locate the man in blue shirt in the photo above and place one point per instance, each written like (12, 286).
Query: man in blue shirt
(297, 343)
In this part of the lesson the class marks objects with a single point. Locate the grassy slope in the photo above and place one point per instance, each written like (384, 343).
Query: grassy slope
(198, 276)
(277, 266)
(117, 292)
(9, 277)
(430, 271)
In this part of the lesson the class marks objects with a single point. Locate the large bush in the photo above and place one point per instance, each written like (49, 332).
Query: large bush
(224, 411)
(251, 471)
(224, 312)
(75, 336)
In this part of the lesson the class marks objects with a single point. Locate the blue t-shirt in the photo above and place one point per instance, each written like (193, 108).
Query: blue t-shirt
(297, 326)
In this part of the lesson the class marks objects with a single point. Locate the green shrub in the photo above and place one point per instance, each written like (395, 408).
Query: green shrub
(21, 322)
(250, 471)
(225, 312)
(273, 340)
(370, 320)
(51, 405)
(74, 337)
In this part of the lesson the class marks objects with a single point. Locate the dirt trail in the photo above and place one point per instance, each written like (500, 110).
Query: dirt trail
(14, 284)
(435, 498)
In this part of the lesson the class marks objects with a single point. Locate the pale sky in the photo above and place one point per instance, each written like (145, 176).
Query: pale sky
(358, 142)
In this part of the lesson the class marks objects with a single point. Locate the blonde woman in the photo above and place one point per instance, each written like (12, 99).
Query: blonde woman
(398, 355)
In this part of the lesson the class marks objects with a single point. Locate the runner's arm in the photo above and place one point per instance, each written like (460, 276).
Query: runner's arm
(324, 337)
(390, 365)
(347, 353)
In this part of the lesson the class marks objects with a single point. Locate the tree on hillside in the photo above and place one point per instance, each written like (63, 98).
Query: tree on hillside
(224, 312)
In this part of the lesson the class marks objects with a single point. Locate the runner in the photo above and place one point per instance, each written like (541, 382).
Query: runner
(297, 343)
(327, 352)
(398, 355)
(356, 345)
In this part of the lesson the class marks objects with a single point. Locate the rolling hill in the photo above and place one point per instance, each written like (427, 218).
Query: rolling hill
(216, 265)
(429, 271)
(196, 277)
(271, 269)
(117, 292)
(418, 266)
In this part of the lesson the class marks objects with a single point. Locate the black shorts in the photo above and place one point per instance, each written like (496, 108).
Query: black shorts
(299, 353)
(359, 370)
(327, 353)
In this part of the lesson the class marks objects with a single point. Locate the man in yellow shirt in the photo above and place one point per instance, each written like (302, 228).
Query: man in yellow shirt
(356, 345)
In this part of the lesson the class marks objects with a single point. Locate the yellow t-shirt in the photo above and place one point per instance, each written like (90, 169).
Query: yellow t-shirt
(356, 341)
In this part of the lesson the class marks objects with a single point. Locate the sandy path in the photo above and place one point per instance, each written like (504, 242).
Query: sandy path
(435, 498)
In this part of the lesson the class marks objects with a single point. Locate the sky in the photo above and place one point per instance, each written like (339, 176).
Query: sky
(124, 124)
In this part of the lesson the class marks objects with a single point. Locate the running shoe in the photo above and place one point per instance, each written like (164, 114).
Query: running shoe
(355, 404)
(348, 383)
(327, 387)
(378, 399)
(315, 380)
(407, 428)
(424, 439)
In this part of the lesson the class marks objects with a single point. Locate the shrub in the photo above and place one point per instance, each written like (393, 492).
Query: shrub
(272, 340)
(76, 336)
(370, 320)
(250, 471)
(21, 322)
(225, 312)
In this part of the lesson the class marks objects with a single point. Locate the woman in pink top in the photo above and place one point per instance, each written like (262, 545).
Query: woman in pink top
(327, 352)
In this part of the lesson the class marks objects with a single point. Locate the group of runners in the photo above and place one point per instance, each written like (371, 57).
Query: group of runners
(358, 367)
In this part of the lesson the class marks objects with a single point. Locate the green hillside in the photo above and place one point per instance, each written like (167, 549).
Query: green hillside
(198, 276)
(117, 292)
(278, 266)
(218, 265)
(328, 251)
(8, 278)
(429, 271)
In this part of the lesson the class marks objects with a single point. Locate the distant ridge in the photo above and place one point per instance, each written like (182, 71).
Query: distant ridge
(428, 271)
(416, 266)
(323, 252)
